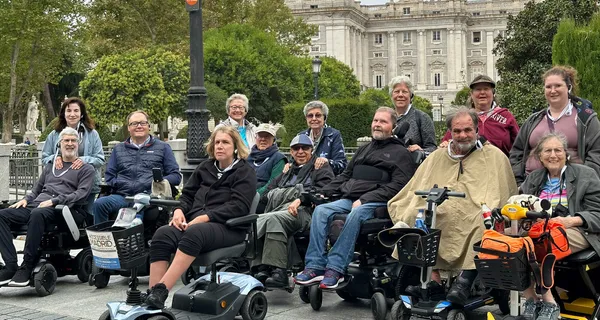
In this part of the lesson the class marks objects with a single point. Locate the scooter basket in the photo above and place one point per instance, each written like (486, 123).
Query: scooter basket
(510, 271)
(117, 248)
(419, 250)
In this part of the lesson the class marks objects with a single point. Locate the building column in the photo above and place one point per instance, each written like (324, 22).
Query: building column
(458, 52)
(489, 54)
(464, 39)
(392, 55)
(451, 84)
(329, 40)
(365, 50)
(359, 59)
(422, 60)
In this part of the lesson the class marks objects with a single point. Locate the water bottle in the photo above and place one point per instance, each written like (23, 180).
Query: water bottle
(486, 212)
(420, 221)
(136, 221)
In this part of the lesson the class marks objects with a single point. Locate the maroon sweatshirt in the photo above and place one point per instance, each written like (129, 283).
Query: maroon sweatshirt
(500, 128)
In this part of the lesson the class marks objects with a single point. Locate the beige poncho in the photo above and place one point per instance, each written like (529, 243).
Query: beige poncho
(486, 177)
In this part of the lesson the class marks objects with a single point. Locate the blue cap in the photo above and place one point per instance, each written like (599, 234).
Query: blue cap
(301, 139)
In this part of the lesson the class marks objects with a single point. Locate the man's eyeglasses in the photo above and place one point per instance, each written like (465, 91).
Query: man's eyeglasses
(237, 108)
(70, 140)
(314, 115)
(557, 151)
(138, 123)
(305, 148)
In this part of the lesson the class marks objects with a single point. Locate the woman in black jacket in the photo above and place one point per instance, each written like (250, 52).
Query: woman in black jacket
(220, 188)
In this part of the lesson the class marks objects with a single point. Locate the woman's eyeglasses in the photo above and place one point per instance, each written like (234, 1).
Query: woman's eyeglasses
(314, 115)
(557, 151)
(296, 148)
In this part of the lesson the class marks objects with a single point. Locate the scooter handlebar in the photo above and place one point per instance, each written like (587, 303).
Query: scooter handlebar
(450, 193)
(159, 202)
(536, 215)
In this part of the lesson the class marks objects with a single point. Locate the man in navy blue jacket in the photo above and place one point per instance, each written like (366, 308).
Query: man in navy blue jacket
(129, 169)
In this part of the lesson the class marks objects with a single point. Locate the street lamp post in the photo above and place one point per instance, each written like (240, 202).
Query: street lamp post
(197, 113)
(316, 67)
(441, 99)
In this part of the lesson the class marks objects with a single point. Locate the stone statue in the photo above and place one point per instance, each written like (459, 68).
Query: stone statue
(32, 114)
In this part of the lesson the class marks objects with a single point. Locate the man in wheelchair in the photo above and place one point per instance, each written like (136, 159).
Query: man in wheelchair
(129, 169)
(285, 213)
(375, 174)
(470, 165)
(64, 186)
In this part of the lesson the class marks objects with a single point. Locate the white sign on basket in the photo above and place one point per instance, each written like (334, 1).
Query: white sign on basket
(104, 249)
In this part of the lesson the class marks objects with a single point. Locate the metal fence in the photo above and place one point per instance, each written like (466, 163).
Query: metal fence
(24, 168)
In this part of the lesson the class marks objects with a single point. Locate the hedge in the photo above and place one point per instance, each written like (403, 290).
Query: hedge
(351, 117)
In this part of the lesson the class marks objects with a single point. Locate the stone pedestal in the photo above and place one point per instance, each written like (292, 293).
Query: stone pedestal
(5, 150)
(32, 135)
(179, 147)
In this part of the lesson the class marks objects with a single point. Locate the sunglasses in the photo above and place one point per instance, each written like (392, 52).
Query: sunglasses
(296, 148)
(314, 115)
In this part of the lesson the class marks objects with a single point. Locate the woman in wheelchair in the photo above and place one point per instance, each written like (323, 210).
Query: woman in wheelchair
(220, 188)
(574, 192)
(64, 186)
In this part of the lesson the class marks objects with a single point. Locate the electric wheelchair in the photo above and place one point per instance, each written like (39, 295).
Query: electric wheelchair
(59, 239)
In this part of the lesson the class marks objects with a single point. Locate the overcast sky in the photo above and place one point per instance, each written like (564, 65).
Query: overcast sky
(373, 2)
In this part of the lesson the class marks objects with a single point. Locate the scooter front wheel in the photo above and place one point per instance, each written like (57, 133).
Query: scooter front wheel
(254, 306)
(316, 297)
(304, 294)
(399, 311)
(456, 314)
(105, 315)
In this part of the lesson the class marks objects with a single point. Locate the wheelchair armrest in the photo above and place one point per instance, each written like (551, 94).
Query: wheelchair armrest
(69, 220)
(241, 221)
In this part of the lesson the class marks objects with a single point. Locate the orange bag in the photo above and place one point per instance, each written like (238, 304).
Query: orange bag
(550, 238)
(493, 240)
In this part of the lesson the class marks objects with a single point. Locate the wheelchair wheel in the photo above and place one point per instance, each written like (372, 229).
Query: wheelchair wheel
(407, 276)
(303, 293)
(99, 278)
(316, 297)
(254, 306)
(189, 275)
(45, 280)
(502, 299)
(345, 295)
(456, 314)
(399, 311)
(378, 306)
(85, 260)
(105, 315)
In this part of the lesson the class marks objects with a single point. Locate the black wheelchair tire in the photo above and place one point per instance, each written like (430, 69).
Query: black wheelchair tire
(100, 279)
(105, 315)
(45, 280)
(189, 275)
(316, 297)
(502, 299)
(255, 306)
(85, 262)
(304, 294)
(399, 311)
(456, 314)
(347, 296)
(378, 306)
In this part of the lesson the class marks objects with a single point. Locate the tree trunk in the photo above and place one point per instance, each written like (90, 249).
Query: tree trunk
(7, 126)
(48, 102)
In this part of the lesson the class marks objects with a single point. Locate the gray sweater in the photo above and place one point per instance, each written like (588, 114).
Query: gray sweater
(68, 189)
(421, 131)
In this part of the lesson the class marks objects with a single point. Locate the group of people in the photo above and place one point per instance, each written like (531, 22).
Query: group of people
(554, 155)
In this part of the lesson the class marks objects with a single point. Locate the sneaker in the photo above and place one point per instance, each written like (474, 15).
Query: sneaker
(278, 279)
(157, 296)
(22, 277)
(308, 276)
(434, 290)
(460, 291)
(331, 280)
(548, 311)
(530, 308)
(6, 275)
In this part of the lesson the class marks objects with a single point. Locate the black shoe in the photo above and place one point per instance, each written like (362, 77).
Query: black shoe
(435, 291)
(157, 296)
(22, 277)
(413, 291)
(6, 274)
(460, 291)
(278, 279)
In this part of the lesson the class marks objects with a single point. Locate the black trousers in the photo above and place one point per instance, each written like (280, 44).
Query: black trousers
(36, 220)
(198, 238)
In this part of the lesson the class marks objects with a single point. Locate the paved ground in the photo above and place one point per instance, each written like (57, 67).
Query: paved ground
(75, 300)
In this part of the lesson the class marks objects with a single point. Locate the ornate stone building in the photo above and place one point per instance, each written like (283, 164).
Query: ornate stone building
(440, 45)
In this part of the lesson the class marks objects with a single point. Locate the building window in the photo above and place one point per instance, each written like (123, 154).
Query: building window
(437, 35)
(407, 53)
(379, 81)
(378, 38)
(477, 37)
(437, 52)
(406, 10)
(437, 79)
(314, 6)
(406, 37)
(476, 14)
(436, 12)
(475, 71)
(378, 54)
(315, 49)
(378, 15)
(503, 11)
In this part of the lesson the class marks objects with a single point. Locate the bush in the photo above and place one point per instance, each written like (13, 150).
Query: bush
(121, 134)
(105, 134)
(440, 130)
(48, 129)
(182, 134)
(351, 117)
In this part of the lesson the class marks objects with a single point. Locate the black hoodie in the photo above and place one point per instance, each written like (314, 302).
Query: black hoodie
(389, 156)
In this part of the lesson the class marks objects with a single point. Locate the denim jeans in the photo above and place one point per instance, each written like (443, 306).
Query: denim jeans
(105, 206)
(341, 253)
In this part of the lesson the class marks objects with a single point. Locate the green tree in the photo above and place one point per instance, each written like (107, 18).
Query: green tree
(423, 105)
(376, 97)
(579, 46)
(216, 101)
(336, 80)
(461, 97)
(525, 51)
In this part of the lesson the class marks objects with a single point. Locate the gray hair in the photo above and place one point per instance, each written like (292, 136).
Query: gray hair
(316, 104)
(462, 111)
(68, 131)
(237, 96)
(552, 135)
(399, 80)
(391, 111)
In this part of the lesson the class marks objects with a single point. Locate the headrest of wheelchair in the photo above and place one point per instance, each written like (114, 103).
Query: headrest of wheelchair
(370, 173)
(142, 198)
(401, 130)
(389, 237)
